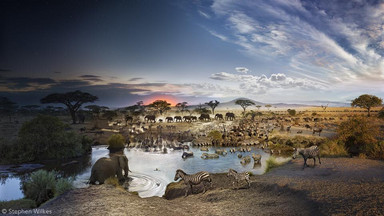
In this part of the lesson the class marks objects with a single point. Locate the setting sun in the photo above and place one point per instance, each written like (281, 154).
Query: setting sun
(170, 99)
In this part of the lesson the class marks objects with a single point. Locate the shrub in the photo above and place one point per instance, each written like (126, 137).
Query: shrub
(42, 186)
(112, 181)
(333, 148)
(116, 141)
(358, 134)
(291, 112)
(63, 185)
(381, 113)
(215, 135)
(271, 163)
(46, 137)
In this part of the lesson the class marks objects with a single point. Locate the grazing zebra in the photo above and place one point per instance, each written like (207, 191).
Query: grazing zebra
(311, 152)
(193, 179)
(239, 177)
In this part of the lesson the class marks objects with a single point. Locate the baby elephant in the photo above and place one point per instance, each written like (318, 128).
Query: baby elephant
(110, 167)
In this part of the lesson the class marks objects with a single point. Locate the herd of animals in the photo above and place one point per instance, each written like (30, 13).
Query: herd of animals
(117, 166)
(236, 133)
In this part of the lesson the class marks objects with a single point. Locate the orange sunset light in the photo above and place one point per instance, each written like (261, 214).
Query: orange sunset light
(170, 99)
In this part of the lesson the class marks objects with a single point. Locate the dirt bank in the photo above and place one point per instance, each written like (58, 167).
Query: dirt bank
(339, 186)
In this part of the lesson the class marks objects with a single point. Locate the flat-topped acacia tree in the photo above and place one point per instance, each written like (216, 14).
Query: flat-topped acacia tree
(367, 101)
(73, 101)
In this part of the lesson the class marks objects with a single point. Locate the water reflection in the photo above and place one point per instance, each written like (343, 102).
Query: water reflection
(151, 171)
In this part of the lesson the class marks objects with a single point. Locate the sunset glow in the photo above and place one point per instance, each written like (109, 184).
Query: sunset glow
(170, 99)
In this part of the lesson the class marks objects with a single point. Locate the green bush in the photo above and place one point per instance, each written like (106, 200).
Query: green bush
(116, 141)
(46, 137)
(63, 185)
(271, 163)
(42, 186)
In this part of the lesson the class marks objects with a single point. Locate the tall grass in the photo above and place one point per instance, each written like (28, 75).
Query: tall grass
(271, 163)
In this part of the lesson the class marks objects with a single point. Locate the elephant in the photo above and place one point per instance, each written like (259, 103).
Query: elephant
(169, 119)
(178, 119)
(187, 118)
(205, 117)
(229, 116)
(150, 118)
(193, 118)
(219, 117)
(109, 167)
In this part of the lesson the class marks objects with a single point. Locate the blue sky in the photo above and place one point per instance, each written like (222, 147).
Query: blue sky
(195, 51)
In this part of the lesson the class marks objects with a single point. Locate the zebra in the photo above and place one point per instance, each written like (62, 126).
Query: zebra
(311, 152)
(193, 179)
(239, 177)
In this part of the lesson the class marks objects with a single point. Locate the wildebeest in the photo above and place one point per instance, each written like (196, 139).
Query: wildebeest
(317, 130)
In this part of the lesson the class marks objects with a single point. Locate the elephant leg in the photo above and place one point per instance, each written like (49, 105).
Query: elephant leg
(319, 159)
(314, 161)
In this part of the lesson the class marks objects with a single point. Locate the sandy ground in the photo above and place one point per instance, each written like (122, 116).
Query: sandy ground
(339, 186)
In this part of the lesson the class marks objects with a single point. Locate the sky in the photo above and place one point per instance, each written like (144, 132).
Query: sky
(196, 51)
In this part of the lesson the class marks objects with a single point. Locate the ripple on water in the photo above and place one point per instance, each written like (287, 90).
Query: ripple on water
(147, 186)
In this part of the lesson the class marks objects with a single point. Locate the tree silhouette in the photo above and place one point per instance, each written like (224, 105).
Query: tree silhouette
(200, 109)
(244, 104)
(160, 105)
(182, 106)
(258, 107)
(73, 101)
(213, 105)
(367, 102)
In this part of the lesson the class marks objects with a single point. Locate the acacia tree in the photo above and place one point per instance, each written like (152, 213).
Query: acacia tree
(73, 101)
(367, 102)
(258, 107)
(268, 106)
(160, 106)
(200, 109)
(182, 106)
(244, 104)
(213, 105)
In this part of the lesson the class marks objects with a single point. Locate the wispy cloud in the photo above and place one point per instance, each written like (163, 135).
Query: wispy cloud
(324, 41)
(242, 69)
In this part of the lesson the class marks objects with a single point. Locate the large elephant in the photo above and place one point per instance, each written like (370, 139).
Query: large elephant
(109, 167)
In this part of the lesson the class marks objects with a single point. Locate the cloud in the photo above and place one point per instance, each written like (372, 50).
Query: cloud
(221, 37)
(25, 83)
(323, 41)
(92, 78)
(242, 69)
(205, 15)
(135, 79)
(262, 84)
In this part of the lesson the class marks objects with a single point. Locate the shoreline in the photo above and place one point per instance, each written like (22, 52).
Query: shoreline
(341, 186)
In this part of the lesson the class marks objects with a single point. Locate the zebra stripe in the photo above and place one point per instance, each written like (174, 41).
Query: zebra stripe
(239, 177)
(193, 179)
(311, 152)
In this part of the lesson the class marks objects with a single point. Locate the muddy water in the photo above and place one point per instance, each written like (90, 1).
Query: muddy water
(151, 171)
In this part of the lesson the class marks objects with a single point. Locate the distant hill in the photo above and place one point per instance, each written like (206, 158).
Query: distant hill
(231, 104)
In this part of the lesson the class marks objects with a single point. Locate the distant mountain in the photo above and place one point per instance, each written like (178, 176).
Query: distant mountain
(231, 104)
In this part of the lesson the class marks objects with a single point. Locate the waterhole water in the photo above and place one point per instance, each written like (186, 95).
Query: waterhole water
(151, 171)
